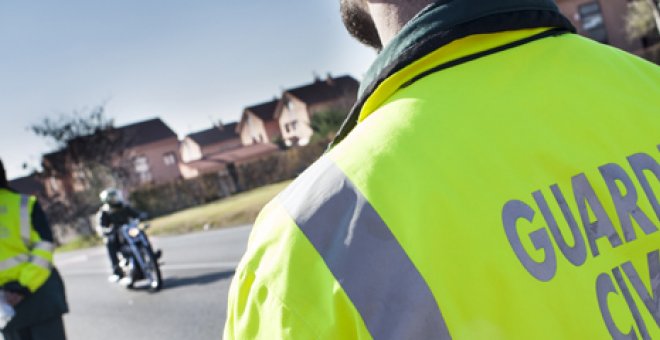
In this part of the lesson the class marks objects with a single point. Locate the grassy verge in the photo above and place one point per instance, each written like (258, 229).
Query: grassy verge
(80, 242)
(232, 211)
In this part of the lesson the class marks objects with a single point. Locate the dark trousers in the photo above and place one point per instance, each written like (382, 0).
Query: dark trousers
(52, 329)
(112, 245)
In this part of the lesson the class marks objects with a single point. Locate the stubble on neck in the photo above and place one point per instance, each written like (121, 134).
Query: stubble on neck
(390, 16)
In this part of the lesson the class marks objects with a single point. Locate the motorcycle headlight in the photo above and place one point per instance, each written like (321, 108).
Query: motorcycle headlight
(133, 232)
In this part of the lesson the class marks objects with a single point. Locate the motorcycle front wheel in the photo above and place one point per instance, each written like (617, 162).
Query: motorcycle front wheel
(152, 269)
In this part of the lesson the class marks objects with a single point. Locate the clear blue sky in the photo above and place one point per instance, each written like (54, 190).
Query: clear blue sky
(190, 62)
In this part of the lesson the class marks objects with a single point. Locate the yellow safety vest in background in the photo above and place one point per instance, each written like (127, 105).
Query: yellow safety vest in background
(24, 257)
(511, 196)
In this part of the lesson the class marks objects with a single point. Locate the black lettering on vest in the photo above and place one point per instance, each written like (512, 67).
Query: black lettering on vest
(625, 203)
(576, 254)
(604, 287)
(586, 198)
(651, 299)
(511, 213)
(641, 326)
(640, 162)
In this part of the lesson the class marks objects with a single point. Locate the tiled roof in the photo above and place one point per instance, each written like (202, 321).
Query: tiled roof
(112, 140)
(326, 90)
(265, 111)
(215, 135)
(146, 132)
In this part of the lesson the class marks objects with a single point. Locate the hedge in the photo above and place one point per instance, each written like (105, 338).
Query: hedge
(181, 194)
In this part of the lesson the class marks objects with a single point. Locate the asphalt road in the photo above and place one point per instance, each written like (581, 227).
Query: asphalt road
(197, 271)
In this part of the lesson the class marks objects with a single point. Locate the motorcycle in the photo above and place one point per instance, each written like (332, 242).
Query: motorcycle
(138, 260)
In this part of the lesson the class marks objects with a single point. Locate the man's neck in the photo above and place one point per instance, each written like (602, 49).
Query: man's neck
(391, 15)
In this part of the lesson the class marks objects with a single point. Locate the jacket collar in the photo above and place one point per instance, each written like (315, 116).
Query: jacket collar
(446, 21)
(442, 16)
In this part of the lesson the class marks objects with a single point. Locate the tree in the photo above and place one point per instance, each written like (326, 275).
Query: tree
(326, 123)
(90, 152)
(642, 18)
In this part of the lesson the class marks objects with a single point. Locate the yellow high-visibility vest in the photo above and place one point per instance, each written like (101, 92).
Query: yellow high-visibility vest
(511, 196)
(24, 257)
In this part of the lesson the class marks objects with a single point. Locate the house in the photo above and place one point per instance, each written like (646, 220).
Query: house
(296, 107)
(216, 149)
(153, 151)
(148, 152)
(221, 162)
(258, 124)
(217, 139)
(200, 150)
(605, 22)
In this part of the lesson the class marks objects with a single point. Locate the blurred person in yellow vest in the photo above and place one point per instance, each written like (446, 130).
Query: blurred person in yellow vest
(498, 178)
(29, 281)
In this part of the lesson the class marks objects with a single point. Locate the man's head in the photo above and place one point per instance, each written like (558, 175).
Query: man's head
(359, 23)
(376, 22)
(112, 197)
(3, 176)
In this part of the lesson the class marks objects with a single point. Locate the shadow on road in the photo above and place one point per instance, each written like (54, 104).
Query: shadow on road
(204, 279)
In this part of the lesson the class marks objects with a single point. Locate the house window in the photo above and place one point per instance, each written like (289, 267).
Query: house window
(592, 22)
(293, 125)
(286, 127)
(169, 158)
(141, 166)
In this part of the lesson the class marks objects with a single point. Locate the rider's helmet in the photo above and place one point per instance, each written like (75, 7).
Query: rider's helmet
(112, 197)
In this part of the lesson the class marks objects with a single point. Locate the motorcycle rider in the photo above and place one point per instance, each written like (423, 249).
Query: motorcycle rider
(113, 214)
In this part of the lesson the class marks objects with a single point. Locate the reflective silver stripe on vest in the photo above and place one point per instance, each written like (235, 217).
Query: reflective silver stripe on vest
(25, 219)
(366, 259)
(14, 261)
(44, 245)
(41, 262)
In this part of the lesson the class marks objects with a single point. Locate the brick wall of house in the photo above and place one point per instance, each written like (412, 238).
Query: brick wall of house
(272, 130)
(222, 146)
(158, 158)
(614, 19)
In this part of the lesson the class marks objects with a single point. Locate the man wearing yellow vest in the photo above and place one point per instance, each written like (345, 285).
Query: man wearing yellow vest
(27, 276)
(498, 177)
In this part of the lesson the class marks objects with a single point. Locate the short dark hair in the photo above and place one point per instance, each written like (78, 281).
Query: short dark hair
(3, 176)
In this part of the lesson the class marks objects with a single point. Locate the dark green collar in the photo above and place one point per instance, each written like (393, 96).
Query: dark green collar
(443, 16)
(445, 21)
